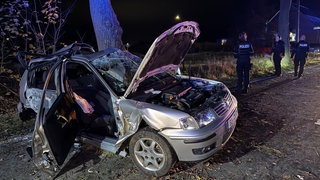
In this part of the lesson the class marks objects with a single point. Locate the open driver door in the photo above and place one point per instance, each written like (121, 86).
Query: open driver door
(56, 125)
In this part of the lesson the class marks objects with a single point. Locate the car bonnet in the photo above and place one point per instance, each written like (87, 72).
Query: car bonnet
(166, 53)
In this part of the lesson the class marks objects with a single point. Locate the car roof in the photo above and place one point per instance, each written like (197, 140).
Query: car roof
(76, 48)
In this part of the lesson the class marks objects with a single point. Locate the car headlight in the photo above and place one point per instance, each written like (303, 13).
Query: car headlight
(188, 123)
(206, 117)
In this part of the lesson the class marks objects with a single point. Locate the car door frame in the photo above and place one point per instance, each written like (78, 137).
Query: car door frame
(51, 148)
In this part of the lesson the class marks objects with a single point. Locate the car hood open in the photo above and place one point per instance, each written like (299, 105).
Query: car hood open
(166, 53)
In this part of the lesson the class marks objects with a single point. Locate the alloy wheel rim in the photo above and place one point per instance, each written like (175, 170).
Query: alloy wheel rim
(149, 154)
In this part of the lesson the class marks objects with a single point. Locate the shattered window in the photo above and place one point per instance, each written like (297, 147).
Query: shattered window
(114, 72)
(38, 74)
(37, 77)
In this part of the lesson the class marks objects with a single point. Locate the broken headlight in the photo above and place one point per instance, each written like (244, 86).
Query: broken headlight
(188, 123)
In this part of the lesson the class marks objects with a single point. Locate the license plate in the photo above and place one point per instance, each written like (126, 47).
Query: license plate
(231, 121)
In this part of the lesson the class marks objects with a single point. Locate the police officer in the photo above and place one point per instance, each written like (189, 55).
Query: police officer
(278, 53)
(242, 51)
(299, 52)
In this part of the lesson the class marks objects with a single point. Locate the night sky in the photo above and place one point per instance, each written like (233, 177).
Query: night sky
(143, 20)
(151, 17)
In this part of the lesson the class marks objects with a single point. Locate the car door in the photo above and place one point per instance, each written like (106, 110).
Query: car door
(56, 123)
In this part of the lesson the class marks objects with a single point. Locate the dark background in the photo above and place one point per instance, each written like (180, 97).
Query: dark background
(143, 20)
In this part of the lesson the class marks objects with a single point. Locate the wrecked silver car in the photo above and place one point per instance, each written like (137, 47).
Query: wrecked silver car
(132, 107)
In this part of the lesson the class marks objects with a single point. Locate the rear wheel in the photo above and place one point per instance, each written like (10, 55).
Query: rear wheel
(151, 152)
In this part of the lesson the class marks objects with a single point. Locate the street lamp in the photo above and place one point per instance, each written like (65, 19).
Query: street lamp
(177, 17)
(127, 46)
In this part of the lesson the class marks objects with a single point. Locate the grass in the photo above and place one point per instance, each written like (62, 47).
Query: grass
(222, 66)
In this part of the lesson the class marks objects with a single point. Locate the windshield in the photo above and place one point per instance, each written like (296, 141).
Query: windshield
(116, 71)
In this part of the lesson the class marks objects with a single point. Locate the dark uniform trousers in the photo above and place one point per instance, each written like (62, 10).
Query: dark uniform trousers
(299, 62)
(243, 68)
(278, 51)
(277, 65)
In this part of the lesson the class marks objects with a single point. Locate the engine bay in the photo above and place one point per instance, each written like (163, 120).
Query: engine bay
(184, 94)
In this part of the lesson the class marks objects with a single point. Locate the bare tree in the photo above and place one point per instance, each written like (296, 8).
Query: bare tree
(11, 28)
(106, 26)
(46, 22)
(56, 17)
(283, 26)
(36, 23)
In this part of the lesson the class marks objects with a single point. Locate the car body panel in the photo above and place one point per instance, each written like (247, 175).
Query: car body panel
(54, 127)
(112, 94)
(213, 137)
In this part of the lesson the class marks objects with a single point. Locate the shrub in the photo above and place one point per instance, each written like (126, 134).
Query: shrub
(222, 66)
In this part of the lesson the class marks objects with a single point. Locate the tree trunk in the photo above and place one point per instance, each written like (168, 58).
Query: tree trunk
(2, 53)
(105, 23)
(283, 26)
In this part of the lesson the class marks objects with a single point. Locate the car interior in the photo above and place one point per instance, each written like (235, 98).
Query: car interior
(87, 86)
(38, 74)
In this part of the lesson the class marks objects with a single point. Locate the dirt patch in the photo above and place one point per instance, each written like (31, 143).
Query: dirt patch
(277, 137)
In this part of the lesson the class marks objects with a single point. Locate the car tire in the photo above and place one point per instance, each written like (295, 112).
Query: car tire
(151, 152)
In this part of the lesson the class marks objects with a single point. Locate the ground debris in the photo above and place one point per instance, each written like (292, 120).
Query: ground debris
(300, 177)
(270, 151)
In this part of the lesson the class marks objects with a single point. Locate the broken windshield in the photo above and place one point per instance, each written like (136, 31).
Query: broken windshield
(117, 71)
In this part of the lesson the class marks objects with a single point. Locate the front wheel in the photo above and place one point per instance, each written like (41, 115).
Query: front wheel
(151, 153)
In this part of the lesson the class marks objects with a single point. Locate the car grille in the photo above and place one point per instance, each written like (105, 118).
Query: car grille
(224, 106)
